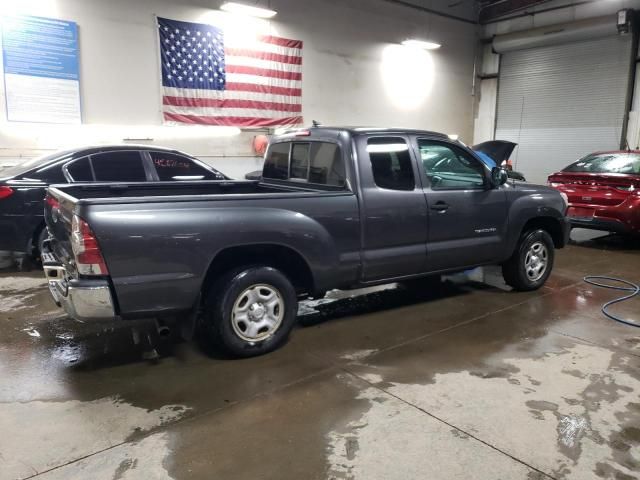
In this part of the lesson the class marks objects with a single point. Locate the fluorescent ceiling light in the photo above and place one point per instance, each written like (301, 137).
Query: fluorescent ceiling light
(421, 44)
(250, 10)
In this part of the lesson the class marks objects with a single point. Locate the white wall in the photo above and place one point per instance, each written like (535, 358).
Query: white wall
(354, 72)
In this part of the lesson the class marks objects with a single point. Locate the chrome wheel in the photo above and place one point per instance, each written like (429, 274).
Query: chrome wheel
(536, 261)
(257, 313)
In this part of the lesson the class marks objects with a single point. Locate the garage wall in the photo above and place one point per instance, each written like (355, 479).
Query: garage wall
(580, 66)
(354, 72)
(562, 102)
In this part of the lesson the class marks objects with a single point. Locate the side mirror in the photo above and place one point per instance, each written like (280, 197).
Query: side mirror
(498, 177)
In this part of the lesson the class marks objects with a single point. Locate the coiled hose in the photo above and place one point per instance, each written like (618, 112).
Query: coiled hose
(629, 287)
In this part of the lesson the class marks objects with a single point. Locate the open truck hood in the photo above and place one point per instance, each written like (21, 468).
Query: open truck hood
(498, 150)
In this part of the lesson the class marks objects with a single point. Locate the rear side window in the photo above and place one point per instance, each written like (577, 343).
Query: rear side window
(124, 166)
(52, 174)
(276, 165)
(391, 163)
(80, 171)
(319, 163)
(327, 166)
(177, 167)
(300, 162)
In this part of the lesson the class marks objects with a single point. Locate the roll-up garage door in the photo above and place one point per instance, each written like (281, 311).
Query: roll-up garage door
(561, 102)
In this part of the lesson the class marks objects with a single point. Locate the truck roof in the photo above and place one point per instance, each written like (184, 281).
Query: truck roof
(355, 130)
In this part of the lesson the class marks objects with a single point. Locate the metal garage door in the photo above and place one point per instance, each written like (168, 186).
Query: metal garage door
(561, 102)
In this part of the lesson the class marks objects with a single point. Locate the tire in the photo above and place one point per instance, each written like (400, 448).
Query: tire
(531, 262)
(250, 311)
(42, 236)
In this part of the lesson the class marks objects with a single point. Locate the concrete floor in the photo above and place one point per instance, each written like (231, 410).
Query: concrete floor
(467, 382)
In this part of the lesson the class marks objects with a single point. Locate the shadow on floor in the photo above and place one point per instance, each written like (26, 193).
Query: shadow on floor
(604, 240)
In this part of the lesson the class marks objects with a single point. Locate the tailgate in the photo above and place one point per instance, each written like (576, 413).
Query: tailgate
(58, 215)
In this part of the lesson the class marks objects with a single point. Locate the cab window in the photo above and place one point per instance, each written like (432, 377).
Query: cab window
(450, 168)
(276, 164)
(318, 163)
(391, 163)
(300, 162)
(326, 166)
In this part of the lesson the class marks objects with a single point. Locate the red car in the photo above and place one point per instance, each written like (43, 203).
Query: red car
(603, 190)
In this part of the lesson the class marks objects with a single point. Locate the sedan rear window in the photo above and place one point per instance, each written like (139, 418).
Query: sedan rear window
(19, 166)
(607, 163)
(51, 174)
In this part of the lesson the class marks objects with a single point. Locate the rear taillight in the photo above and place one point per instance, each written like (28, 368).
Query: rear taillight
(89, 260)
(52, 202)
(5, 192)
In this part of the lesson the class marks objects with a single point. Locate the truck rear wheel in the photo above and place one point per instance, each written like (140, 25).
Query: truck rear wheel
(250, 311)
(531, 262)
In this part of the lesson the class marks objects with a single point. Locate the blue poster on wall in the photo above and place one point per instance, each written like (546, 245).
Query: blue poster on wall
(41, 74)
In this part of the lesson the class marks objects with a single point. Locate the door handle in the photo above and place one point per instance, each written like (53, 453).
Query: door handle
(440, 206)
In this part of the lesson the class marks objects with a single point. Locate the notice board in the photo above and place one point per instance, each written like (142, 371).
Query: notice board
(41, 74)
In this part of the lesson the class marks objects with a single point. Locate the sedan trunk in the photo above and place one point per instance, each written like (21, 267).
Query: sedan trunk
(595, 189)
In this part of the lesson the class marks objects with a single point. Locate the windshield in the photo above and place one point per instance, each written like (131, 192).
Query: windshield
(607, 163)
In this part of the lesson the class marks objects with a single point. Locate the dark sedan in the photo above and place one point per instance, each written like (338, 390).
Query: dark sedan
(22, 186)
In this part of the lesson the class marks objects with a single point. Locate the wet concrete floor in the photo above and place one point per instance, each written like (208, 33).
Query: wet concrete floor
(466, 380)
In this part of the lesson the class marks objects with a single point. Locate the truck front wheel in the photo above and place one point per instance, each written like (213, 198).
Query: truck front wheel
(250, 311)
(531, 262)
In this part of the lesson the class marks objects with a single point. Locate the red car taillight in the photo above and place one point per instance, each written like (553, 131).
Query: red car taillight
(52, 202)
(5, 192)
(89, 259)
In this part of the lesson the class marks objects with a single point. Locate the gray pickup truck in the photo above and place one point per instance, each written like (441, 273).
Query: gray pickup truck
(335, 208)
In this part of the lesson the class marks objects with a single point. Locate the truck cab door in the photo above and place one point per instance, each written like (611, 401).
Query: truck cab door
(467, 216)
(393, 208)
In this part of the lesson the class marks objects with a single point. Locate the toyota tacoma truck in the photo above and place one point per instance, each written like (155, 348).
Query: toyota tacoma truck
(335, 208)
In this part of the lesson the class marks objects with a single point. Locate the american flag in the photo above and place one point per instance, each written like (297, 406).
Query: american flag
(208, 81)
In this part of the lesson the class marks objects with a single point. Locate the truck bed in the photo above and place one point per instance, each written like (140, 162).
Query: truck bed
(167, 234)
(93, 191)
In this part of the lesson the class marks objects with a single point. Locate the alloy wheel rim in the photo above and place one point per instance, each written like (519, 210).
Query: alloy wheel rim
(257, 312)
(536, 261)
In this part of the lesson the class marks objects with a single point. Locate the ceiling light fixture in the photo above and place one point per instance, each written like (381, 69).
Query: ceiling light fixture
(424, 44)
(241, 8)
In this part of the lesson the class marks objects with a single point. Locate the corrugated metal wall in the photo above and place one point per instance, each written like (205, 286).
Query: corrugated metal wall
(563, 101)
